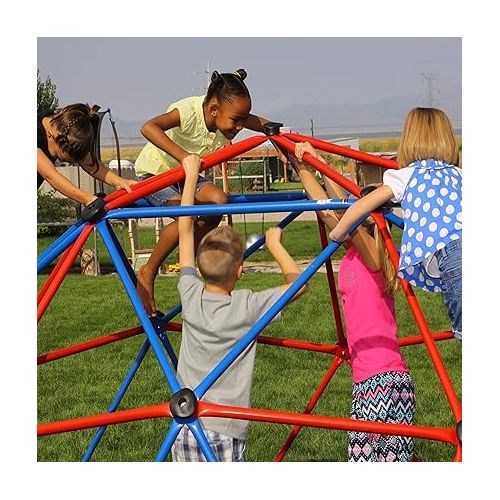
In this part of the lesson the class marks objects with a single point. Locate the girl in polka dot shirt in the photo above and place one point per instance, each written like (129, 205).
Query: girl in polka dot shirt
(429, 187)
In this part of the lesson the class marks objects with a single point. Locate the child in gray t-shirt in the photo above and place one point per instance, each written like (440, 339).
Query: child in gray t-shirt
(215, 317)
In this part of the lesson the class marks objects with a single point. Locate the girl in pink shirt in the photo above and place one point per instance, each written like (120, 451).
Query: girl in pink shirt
(367, 281)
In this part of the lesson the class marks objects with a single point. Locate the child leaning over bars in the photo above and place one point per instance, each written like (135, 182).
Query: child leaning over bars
(215, 317)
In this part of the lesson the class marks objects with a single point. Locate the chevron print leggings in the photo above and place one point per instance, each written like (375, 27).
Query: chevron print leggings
(386, 397)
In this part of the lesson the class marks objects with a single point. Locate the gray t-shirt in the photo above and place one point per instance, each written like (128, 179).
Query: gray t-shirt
(212, 325)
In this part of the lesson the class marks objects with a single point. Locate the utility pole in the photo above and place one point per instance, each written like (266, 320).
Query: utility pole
(312, 128)
(208, 75)
(429, 89)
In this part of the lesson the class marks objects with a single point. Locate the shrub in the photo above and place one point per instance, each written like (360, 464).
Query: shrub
(50, 209)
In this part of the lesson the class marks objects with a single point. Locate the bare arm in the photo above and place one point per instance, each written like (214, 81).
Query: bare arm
(361, 239)
(191, 166)
(254, 122)
(359, 209)
(154, 131)
(106, 175)
(59, 182)
(288, 266)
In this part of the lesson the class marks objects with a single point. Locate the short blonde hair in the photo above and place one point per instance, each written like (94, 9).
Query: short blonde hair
(427, 133)
(219, 255)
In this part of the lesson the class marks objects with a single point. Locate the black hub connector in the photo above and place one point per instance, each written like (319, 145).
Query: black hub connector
(183, 403)
(459, 431)
(271, 128)
(95, 209)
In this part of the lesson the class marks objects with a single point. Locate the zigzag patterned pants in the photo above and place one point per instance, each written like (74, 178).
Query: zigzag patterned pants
(386, 397)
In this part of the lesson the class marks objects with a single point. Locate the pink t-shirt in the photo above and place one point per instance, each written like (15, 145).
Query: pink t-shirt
(370, 319)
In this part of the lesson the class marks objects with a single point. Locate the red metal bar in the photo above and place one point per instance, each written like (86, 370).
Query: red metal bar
(309, 407)
(161, 410)
(443, 434)
(343, 151)
(406, 341)
(300, 344)
(97, 342)
(48, 281)
(62, 271)
(331, 284)
(144, 188)
(422, 325)
(319, 166)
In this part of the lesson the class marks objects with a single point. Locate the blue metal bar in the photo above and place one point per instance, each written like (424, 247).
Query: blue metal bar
(255, 246)
(229, 208)
(201, 439)
(165, 447)
(117, 400)
(243, 343)
(394, 219)
(161, 331)
(139, 309)
(170, 350)
(57, 247)
(131, 373)
(121, 253)
(162, 320)
(258, 198)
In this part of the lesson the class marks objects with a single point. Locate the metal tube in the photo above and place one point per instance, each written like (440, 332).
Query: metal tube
(117, 399)
(236, 208)
(138, 307)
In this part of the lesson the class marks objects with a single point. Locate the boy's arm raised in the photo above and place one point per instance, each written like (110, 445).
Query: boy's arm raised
(288, 266)
(191, 165)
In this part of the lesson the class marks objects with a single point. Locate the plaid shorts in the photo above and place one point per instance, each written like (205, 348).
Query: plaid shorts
(225, 448)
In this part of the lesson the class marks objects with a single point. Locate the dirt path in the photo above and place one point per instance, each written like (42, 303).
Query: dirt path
(272, 267)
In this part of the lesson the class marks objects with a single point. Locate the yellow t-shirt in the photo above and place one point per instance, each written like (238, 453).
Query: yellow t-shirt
(191, 135)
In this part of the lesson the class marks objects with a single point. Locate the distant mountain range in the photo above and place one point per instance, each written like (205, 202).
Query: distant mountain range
(383, 116)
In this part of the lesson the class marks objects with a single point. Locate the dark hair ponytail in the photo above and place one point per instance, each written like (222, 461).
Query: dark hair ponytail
(225, 86)
(76, 127)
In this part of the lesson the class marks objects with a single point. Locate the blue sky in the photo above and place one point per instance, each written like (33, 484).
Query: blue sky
(138, 77)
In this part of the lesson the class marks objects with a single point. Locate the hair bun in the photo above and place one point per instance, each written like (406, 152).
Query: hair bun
(215, 76)
(241, 73)
(94, 109)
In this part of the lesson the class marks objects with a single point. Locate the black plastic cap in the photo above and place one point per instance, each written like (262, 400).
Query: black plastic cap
(94, 210)
(183, 403)
(271, 128)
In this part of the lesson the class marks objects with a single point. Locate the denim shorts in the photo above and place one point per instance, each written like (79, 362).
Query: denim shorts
(450, 265)
(162, 197)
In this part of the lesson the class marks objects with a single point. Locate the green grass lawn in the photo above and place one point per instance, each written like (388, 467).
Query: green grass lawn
(301, 239)
(85, 384)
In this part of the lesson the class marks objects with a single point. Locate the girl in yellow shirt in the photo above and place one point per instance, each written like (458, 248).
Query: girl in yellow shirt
(194, 125)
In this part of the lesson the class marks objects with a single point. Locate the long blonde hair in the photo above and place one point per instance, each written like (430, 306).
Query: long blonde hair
(386, 265)
(427, 133)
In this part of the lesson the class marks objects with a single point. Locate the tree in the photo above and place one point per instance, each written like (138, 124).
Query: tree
(46, 99)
